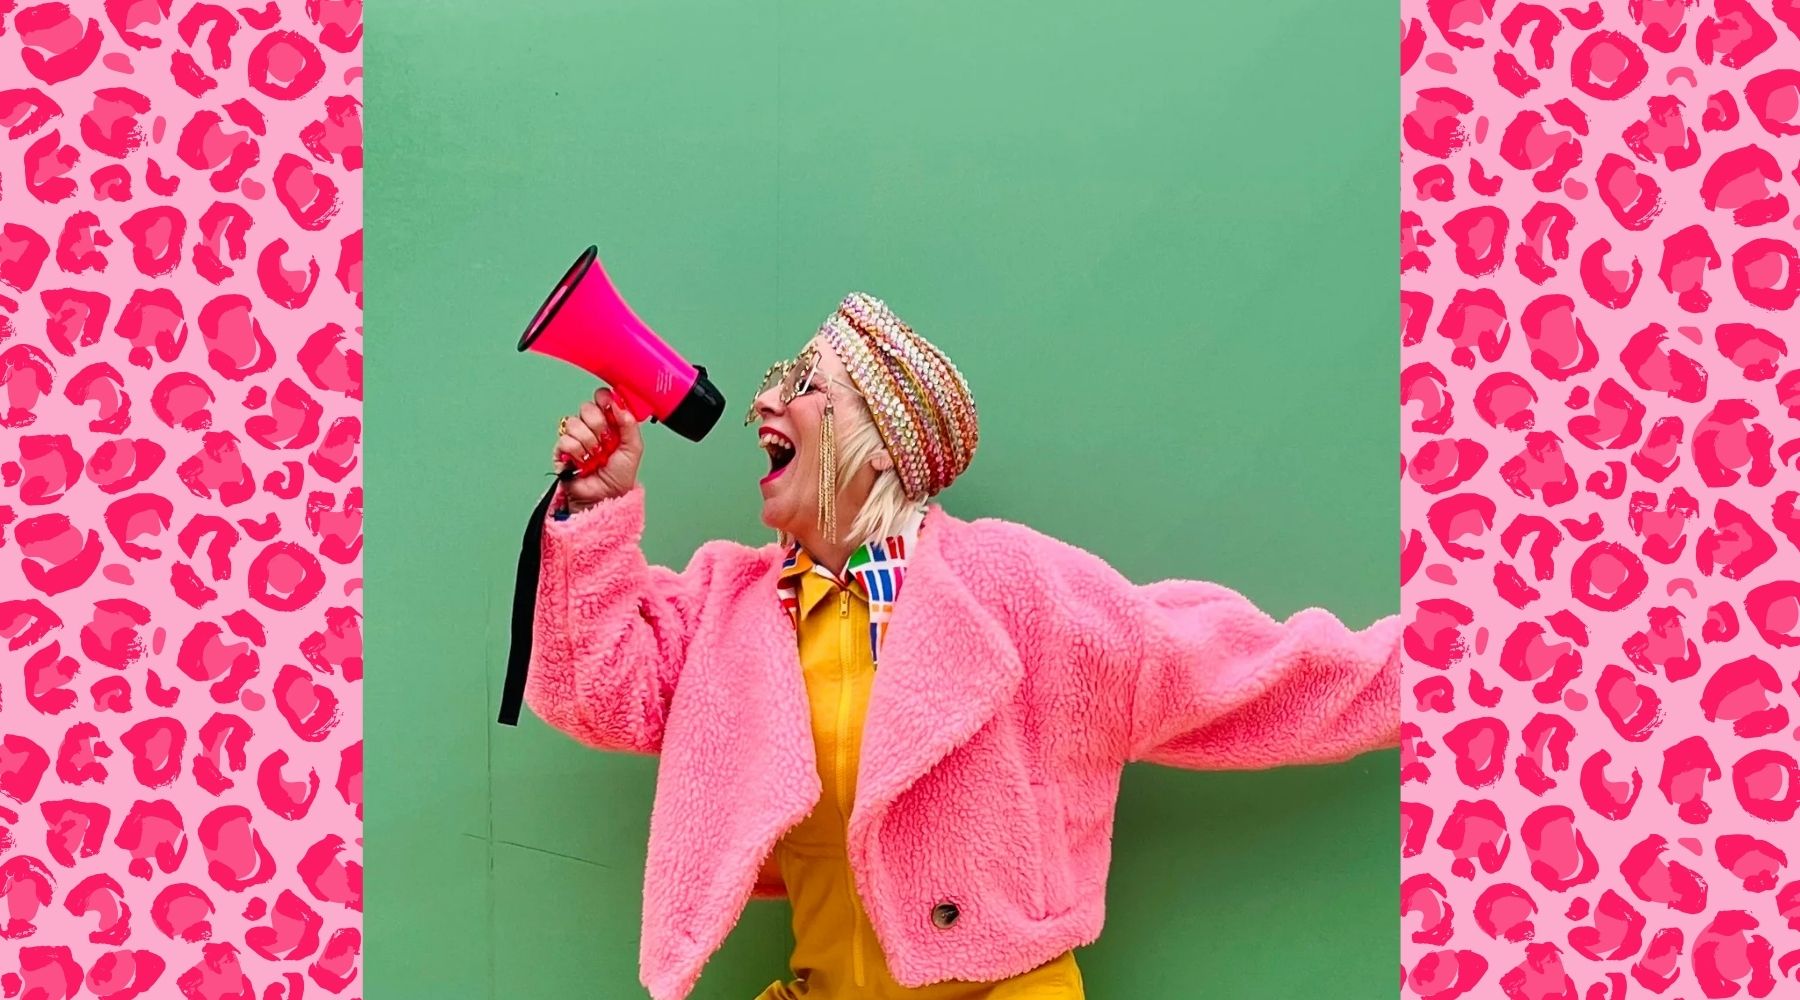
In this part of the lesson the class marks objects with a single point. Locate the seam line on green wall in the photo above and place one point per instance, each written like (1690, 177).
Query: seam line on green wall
(487, 688)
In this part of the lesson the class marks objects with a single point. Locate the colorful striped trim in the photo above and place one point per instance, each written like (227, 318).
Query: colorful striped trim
(876, 570)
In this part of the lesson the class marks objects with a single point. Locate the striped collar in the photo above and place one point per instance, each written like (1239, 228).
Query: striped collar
(875, 570)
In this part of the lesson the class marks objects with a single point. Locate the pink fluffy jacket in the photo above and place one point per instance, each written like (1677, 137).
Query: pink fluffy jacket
(1019, 675)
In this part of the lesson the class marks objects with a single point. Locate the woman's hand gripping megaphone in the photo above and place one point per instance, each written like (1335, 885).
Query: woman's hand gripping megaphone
(600, 449)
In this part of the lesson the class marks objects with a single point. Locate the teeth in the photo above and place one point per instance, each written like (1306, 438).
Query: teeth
(775, 444)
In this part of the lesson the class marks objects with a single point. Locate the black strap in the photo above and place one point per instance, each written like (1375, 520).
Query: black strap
(525, 588)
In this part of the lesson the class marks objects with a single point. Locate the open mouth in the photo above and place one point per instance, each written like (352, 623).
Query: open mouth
(780, 451)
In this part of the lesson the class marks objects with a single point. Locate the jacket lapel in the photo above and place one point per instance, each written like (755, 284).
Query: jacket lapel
(946, 667)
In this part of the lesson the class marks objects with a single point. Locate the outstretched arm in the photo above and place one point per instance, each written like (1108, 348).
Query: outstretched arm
(1223, 685)
(1192, 674)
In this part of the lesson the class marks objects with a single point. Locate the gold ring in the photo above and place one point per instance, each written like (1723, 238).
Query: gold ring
(562, 426)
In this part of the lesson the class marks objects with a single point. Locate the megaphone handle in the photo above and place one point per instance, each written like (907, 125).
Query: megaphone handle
(609, 439)
(609, 443)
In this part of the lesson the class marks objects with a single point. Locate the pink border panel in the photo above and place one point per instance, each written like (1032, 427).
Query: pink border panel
(180, 514)
(1601, 432)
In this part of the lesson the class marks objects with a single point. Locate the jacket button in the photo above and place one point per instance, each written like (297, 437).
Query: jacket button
(944, 914)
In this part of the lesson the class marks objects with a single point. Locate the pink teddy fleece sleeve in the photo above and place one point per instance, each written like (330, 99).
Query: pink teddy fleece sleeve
(1193, 674)
(1222, 685)
(611, 631)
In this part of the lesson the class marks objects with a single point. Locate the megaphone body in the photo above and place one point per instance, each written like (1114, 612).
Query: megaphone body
(586, 323)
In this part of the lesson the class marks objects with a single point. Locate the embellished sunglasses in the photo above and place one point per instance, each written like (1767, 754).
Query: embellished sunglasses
(796, 377)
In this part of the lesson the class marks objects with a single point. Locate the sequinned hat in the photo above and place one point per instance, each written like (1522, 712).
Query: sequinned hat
(920, 401)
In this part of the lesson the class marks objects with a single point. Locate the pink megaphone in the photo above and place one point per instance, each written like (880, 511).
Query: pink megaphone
(587, 324)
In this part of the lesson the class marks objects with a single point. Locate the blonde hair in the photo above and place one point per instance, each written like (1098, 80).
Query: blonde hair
(886, 507)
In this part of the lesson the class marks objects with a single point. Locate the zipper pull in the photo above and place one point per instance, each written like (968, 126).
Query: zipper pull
(844, 605)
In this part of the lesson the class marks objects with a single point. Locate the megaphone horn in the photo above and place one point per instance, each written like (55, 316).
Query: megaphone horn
(586, 323)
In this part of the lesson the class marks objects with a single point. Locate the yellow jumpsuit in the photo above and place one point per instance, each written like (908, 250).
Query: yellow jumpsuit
(836, 954)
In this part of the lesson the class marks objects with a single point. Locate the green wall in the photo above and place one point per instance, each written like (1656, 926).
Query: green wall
(1158, 238)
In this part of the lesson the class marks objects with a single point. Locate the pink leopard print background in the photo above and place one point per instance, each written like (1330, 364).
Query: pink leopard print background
(1601, 533)
(180, 524)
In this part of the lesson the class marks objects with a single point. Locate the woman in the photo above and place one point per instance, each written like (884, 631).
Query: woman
(931, 780)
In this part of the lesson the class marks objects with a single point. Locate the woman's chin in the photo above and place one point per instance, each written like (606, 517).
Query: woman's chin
(773, 509)
(779, 506)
